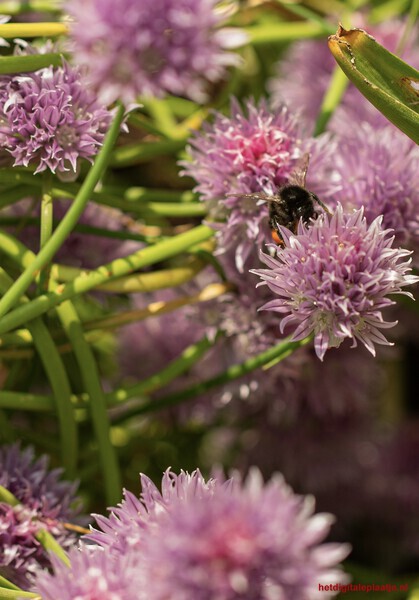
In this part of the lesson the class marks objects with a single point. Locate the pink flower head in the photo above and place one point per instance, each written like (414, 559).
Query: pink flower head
(248, 540)
(124, 529)
(152, 47)
(333, 280)
(253, 150)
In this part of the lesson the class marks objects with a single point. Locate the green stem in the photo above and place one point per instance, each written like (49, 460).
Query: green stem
(85, 282)
(332, 98)
(178, 366)
(8, 594)
(162, 115)
(133, 154)
(273, 355)
(17, 7)
(54, 243)
(286, 32)
(25, 401)
(46, 226)
(31, 30)
(91, 380)
(60, 386)
(29, 63)
(5, 583)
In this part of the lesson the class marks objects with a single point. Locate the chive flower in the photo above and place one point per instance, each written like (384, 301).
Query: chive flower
(333, 279)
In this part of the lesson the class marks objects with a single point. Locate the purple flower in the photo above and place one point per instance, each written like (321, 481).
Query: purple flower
(94, 575)
(247, 540)
(46, 503)
(50, 120)
(124, 530)
(333, 280)
(379, 169)
(253, 150)
(152, 47)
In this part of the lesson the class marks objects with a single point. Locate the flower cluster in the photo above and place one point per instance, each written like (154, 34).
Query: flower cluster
(50, 120)
(333, 280)
(152, 47)
(45, 503)
(210, 540)
(255, 149)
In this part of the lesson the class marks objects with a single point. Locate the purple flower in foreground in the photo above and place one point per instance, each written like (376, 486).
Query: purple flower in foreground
(50, 120)
(245, 541)
(152, 47)
(124, 529)
(333, 280)
(94, 575)
(46, 502)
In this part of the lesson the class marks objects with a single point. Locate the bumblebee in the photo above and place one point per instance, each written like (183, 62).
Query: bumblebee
(291, 203)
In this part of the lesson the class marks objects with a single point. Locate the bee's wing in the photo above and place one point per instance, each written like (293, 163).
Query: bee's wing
(255, 196)
(298, 176)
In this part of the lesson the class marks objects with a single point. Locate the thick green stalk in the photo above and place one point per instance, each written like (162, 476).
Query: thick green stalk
(31, 30)
(46, 226)
(92, 385)
(29, 63)
(69, 221)
(87, 281)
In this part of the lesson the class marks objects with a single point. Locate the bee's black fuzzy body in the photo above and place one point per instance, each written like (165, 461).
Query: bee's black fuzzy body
(291, 204)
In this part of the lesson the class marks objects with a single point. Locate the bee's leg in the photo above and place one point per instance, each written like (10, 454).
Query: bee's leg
(324, 207)
(277, 238)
